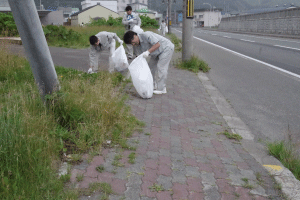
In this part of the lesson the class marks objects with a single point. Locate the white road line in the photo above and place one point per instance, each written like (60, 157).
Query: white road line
(226, 36)
(247, 57)
(287, 47)
(293, 41)
(247, 40)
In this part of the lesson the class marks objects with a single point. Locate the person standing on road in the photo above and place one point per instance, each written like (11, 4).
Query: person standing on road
(130, 20)
(163, 28)
(160, 49)
(102, 41)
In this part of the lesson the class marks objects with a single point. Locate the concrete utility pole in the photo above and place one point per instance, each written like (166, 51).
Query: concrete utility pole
(187, 29)
(34, 42)
(169, 16)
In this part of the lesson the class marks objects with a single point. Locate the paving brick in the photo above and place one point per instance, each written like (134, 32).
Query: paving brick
(164, 170)
(145, 189)
(118, 186)
(150, 175)
(180, 191)
(151, 163)
(191, 162)
(224, 186)
(196, 196)
(164, 195)
(194, 185)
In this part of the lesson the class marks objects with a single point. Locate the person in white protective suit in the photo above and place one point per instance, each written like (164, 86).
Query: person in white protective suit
(160, 49)
(163, 28)
(130, 20)
(102, 41)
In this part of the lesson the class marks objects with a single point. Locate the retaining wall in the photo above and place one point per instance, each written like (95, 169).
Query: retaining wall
(286, 22)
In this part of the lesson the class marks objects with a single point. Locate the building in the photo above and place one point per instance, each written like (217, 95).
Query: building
(207, 18)
(46, 16)
(116, 5)
(135, 4)
(112, 5)
(92, 12)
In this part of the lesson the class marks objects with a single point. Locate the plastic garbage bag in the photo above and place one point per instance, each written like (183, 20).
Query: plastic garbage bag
(167, 29)
(141, 77)
(119, 59)
(137, 29)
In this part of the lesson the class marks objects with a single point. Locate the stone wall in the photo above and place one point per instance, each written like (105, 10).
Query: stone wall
(285, 22)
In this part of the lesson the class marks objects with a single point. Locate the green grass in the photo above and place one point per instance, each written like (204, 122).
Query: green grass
(100, 168)
(285, 153)
(176, 41)
(131, 158)
(233, 136)
(194, 64)
(156, 188)
(84, 33)
(87, 111)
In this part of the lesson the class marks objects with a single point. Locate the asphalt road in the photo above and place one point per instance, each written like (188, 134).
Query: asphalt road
(70, 58)
(247, 70)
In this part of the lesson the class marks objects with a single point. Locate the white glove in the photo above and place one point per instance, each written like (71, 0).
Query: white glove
(121, 42)
(146, 54)
(131, 20)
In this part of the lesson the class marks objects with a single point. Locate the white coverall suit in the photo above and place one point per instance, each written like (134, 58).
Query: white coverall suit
(163, 28)
(160, 58)
(129, 24)
(108, 42)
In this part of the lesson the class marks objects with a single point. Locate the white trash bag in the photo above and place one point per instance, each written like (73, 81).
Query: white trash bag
(141, 77)
(137, 29)
(119, 59)
(167, 29)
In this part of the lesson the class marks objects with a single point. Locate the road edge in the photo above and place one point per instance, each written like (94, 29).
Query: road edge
(290, 186)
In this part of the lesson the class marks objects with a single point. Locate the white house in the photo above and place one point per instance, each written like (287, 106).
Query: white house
(112, 5)
(207, 18)
(96, 11)
(117, 5)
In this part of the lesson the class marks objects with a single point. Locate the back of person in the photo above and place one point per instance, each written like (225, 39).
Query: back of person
(146, 36)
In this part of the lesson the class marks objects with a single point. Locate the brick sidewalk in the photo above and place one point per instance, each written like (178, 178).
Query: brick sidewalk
(179, 152)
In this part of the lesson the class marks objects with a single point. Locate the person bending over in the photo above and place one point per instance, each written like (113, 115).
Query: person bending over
(102, 41)
(160, 49)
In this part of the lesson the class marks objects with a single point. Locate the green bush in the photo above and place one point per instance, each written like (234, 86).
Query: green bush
(60, 33)
(148, 22)
(7, 25)
(110, 22)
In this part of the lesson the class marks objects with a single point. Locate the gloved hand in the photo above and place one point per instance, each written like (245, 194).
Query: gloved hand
(146, 54)
(131, 20)
(121, 42)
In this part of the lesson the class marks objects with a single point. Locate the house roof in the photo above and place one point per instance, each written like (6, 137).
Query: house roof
(75, 14)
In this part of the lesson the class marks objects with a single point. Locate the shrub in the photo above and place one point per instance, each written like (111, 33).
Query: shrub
(148, 22)
(60, 33)
(103, 22)
(7, 25)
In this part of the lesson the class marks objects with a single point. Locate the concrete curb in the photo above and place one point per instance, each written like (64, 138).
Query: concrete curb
(12, 40)
(289, 184)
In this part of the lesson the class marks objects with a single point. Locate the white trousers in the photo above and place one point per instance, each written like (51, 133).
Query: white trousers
(159, 67)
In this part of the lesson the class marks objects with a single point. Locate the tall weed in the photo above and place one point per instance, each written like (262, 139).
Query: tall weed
(33, 134)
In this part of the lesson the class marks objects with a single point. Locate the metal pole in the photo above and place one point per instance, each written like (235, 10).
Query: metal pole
(187, 34)
(169, 16)
(34, 42)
